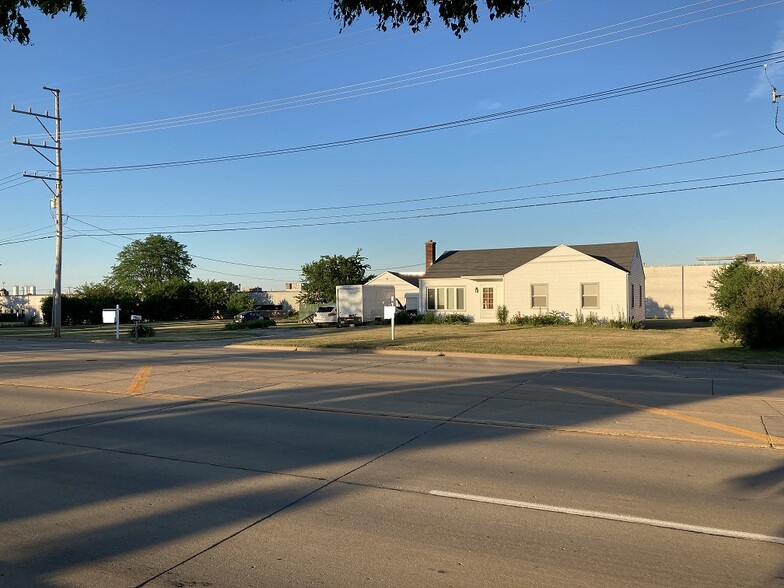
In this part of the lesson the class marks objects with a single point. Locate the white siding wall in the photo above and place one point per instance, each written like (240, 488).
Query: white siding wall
(473, 299)
(564, 270)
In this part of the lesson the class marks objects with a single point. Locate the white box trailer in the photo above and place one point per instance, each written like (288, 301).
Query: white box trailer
(363, 303)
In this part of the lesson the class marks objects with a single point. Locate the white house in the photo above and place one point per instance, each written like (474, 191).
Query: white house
(403, 283)
(605, 279)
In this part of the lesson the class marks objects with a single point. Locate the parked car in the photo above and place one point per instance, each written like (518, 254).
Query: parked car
(326, 316)
(247, 315)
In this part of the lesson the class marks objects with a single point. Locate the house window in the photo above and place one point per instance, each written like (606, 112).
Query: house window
(446, 298)
(590, 295)
(538, 295)
(487, 299)
(632, 295)
(640, 299)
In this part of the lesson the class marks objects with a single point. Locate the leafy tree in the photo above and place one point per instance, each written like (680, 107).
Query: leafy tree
(210, 298)
(13, 25)
(728, 283)
(237, 302)
(156, 263)
(751, 303)
(166, 301)
(320, 277)
(455, 14)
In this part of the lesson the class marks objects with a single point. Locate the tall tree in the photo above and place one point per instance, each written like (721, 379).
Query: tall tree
(320, 277)
(13, 25)
(154, 263)
(455, 14)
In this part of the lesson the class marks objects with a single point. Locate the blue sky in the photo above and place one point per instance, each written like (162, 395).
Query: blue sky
(149, 82)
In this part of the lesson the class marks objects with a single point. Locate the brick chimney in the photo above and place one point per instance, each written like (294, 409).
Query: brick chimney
(430, 254)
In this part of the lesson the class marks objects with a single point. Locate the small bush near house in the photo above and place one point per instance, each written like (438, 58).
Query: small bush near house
(551, 318)
(622, 323)
(404, 318)
(144, 331)
(704, 318)
(431, 318)
(502, 314)
(261, 323)
(588, 321)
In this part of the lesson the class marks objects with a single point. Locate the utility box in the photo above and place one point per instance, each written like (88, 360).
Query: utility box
(362, 303)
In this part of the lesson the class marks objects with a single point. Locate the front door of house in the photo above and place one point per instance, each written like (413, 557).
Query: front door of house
(488, 303)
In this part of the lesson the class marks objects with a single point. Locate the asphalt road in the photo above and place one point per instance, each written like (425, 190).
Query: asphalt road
(207, 465)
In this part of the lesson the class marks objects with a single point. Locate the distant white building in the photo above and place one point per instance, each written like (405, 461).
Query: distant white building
(287, 298)
(23, 302)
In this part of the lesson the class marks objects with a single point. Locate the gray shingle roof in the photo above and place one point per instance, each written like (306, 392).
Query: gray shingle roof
(496, 262)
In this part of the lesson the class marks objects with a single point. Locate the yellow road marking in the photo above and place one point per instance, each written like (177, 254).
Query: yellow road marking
(665, 412)
(140, 381)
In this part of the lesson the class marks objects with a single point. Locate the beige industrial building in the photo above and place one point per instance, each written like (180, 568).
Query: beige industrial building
(287, 298)
(681, 291)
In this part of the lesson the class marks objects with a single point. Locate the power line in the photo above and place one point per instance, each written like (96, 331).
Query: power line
(407, 80)
(678, 79)
(117, 234)
(22, 183)
(167, 228)
(466, 212)
(446, 196)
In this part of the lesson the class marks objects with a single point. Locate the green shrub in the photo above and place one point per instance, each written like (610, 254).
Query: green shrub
(431, 318)
(705, 318)
(622, 323)
(454, 319)
(551, 318)
(143, 330)
(502, 314)
(404, 318)
(752, 314)
(261, 323)
(592, 320)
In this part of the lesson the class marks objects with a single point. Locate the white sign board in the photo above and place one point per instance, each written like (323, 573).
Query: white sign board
(389, 312)
(109, 315)
(136, 317)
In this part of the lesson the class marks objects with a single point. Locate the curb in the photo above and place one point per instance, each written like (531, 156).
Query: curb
(527, 358)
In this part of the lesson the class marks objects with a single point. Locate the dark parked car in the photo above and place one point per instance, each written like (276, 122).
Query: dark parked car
(247, 315)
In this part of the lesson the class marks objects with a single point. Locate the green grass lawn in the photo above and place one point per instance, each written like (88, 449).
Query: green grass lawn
(666, 340)
(164, 332)
(686, 343)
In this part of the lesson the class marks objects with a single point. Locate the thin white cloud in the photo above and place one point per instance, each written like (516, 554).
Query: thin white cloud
(489, 105)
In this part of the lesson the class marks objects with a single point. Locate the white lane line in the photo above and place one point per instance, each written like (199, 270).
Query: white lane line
(594, 514)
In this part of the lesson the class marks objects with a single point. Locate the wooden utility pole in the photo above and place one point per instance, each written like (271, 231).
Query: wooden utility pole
(57, 201)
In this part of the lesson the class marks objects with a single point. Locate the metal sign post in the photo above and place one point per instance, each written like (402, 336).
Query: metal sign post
(136, 318)
(112, 315)
(389, 313)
